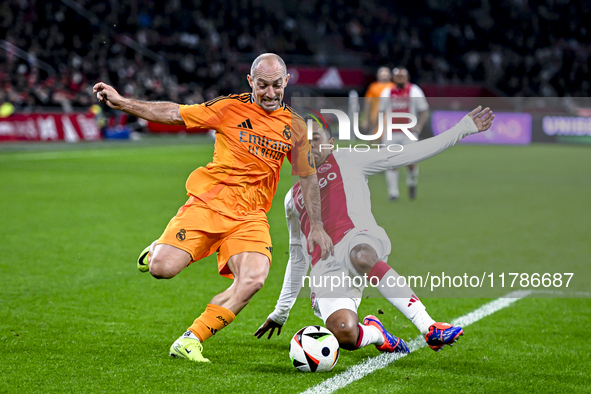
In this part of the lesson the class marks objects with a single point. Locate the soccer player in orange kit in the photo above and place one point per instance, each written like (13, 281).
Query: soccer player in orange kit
(372, 99)
(229, 198)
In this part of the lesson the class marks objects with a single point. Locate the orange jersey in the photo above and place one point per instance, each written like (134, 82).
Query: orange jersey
(250, 147)
(375, 90)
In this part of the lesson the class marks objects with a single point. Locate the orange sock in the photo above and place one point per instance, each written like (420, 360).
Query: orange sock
(211, 321)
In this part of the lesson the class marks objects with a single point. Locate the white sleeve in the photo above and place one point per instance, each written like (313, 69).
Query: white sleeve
(383, 160)
(418, 98)
(293, 219)
(297, 268)
(297, 265)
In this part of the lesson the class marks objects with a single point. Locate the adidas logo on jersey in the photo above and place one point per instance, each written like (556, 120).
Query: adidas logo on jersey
(246, 124)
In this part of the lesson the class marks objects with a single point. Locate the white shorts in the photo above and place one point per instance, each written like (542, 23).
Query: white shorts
(324, 307)
(334, 283)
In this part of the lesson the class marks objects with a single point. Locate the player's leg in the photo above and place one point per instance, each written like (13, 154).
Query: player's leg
(365, 260)
(352, 335)
(246, 256)
(166, 261)
(336, 304)
(144, 257)
(344, 324)
(412, 172)
(392, 184)
(181, 242)
(392, 176)
(250, 270)
(163, 261)
(412, 180)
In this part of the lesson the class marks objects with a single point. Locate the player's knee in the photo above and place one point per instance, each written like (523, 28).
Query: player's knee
(257, 283)
(250, 271)
(167, 261)
(346, 332)
(363, 257)
(254, 281)
(162, 269)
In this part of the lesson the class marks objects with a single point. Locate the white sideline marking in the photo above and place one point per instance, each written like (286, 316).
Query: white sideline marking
(567, 294)
(358, 371)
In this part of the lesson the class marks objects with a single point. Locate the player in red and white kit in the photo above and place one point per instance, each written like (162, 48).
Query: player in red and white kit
(361, 246)
(404, 97)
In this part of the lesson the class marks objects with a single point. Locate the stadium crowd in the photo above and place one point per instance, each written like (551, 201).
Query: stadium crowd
(190, 50)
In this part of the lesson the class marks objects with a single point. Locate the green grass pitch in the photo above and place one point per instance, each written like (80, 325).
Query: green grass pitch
(76, 315)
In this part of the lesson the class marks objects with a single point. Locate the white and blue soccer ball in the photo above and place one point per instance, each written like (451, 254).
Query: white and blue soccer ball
(314, 349)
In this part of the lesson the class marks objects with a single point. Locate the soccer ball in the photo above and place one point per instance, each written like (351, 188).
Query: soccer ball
(314, 349)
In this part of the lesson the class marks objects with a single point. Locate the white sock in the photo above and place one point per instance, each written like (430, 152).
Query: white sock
(403, 298)
(422, 321)
(369, 335)
(392, 182)
(189, 334)
(412, 176)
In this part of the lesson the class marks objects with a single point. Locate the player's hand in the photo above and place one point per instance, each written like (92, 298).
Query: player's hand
(108, 95)
(268, 325)
(482, 118)
(319, 237)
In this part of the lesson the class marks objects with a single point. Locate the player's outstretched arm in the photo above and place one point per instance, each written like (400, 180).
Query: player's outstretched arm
(482, 118)
(271, 325)
(474, 122)
(317, 236)
(154, 111)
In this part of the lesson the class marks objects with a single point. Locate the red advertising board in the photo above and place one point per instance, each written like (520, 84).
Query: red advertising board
(49, 127)
(327, 77)
(154, 127)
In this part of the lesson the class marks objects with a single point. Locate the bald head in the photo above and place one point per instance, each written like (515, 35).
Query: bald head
(268, 78)
(268, 60)
(383, 74)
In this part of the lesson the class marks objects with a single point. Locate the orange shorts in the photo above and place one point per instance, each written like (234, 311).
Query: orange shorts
(200, 231)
